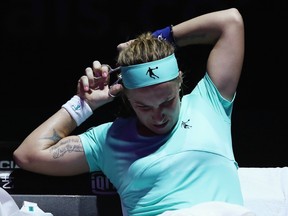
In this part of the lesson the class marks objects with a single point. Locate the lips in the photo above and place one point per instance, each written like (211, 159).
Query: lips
(159, 126)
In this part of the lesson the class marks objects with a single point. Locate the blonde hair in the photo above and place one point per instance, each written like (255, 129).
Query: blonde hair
(144, 48)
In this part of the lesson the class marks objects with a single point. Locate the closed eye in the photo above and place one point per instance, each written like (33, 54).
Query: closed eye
(143, 108)
(168, 102)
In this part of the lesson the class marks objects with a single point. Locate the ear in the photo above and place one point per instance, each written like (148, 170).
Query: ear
(180, 78)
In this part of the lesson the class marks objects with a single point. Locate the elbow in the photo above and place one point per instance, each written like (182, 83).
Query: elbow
(21, 159)
(235, 17)
(233, 25)
(17, 158)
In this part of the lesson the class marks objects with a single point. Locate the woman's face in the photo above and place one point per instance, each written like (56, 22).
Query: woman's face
(157, 107)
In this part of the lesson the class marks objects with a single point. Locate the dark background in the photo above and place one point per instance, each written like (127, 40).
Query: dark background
(46, 46)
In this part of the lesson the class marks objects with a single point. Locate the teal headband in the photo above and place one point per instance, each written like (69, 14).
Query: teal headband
(150, 73)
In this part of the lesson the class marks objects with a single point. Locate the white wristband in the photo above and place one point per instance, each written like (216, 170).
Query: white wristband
(78, 109)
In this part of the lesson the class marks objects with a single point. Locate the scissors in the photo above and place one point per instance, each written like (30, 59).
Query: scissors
(111, 71)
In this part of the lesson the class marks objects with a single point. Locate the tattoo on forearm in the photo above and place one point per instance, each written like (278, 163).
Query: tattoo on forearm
(55, 137)
(67, 146)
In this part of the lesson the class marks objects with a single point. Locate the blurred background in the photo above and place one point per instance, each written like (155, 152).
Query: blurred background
(45, 46)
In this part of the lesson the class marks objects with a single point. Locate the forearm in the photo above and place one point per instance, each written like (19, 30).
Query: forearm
(50, 150)
(61, 124)
(58, 126)
(204, 29)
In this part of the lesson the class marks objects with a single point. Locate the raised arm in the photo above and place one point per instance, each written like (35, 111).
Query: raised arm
(224, 29)
(49, 149)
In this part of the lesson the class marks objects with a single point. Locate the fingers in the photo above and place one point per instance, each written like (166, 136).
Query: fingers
(83, 83)
(96, 77)
(94, 85)
(115, 90)
(99, 76)
(100, 70)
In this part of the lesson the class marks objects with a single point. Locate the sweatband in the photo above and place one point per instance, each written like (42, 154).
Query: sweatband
(150, 73)
(78, 109)
(165, 34)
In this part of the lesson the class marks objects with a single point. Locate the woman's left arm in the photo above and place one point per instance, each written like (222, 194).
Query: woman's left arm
(225, 30)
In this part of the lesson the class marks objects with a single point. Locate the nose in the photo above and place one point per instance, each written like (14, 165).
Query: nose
(158, 115)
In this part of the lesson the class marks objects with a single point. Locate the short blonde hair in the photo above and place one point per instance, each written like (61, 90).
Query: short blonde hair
(144, 48)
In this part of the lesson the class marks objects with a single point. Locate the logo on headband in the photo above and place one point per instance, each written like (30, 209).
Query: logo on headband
(151, 73)
(161, 70)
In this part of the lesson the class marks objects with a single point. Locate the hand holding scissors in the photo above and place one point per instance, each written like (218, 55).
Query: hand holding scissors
(94, 87)
(111, 71)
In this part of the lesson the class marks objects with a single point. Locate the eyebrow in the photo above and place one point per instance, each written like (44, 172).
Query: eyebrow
(167, 99)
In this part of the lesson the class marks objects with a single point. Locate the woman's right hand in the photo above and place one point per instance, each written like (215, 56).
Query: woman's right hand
(93, 87)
